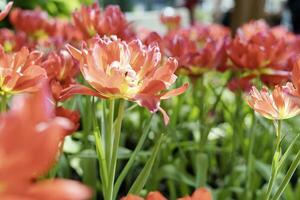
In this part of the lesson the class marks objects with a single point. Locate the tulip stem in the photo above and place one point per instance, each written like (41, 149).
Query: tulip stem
(287, 177)
(114, 158)
(276, 159)
(3, 102)
(109, 130)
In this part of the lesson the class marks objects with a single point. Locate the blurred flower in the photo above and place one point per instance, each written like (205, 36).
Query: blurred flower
(132, 71)
(255, 50)
(132, 197)
(73, 116)
(4, 12)
(87, 20)
(20, 72)
(180, 47)
(169, 18)
(199, 194)
(198, 48)
(91, 21)
(150, 196)
(276, 105)
(12, 41)
(61, 70)
(30, 136)
(296, 81)
(242, 84)
(68, 32)
(35, 23)
(296, 75)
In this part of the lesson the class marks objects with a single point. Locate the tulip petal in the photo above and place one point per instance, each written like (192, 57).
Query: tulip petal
(147, 100)
(175, 92)
(74, 52)
(59, 189)
(165, 115)
(78, 89)
(4, 13)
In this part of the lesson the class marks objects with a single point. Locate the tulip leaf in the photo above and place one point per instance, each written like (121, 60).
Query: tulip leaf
(140, 182)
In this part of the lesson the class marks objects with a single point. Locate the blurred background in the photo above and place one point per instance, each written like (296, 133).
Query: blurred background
(232, 13)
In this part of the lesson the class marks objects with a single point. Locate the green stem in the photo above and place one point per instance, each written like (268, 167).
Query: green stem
(115, 148)
(287, 177)
(275, 160)
(132, 158)
(100, 153)
(109, 130)
(250, 160)
(3, 102)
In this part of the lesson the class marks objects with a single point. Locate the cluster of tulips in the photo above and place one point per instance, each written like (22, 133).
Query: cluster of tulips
(45, 62)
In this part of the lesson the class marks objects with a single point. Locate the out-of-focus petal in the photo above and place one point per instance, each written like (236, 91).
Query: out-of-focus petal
(155, 196)
(131, 197)
(6, 10)
(59, 189)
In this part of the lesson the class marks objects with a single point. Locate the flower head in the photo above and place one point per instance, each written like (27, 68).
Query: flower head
(30, 149)
(73, 116)
(198, 48)
(91, 21)
(12, 41)
(277, 104)
(150, 196)
(61, 71)
(169, 18)
(20, 71)
(257, 50)
(199, 194)
(35, 23)
(132, 71)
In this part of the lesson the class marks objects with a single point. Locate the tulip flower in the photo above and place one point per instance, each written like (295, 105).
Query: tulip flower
(169, 18)
(61, 71)
(12, 41)
(20, 71)
(35, 23)
(260, 51)
(92, 20)
(199, 194)
(30, 149)
(131, 71)
(198, 48)
(275, 105)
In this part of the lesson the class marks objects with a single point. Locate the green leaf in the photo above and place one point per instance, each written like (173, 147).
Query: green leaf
(140, 182)
(287, 177)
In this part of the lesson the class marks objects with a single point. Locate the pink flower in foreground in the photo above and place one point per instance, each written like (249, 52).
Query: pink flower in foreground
(132, 71)
(30, 138)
